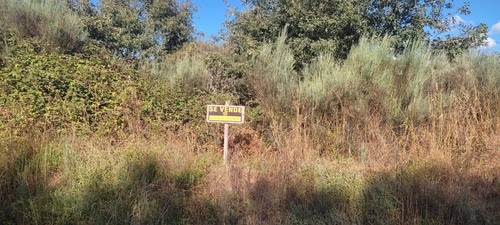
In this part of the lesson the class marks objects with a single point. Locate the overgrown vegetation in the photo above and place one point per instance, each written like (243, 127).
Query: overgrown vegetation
(332, 26)
(88, 136)
(48, 21)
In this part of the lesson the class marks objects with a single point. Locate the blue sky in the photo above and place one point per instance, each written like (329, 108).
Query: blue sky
(488, 12)
(211, 14)
(209, 18)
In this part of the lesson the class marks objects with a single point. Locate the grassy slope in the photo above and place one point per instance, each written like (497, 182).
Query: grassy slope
(376, 139)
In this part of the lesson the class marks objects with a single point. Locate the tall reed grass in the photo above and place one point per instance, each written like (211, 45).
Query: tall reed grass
(274, 79)
(376, 139)
(94, 180)
(48, 20)
(187, 68)
(333, 99)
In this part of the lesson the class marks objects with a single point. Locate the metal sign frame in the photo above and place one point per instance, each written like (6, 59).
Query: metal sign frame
(225, 114)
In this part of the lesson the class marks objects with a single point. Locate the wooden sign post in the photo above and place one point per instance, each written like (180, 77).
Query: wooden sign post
(226, 141)
(225, 114)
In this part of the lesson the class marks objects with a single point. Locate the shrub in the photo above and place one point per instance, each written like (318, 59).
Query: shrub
(43, 90)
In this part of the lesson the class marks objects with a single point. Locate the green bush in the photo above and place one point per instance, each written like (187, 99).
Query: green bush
(185, 69)
(49, 90)
(43, 90)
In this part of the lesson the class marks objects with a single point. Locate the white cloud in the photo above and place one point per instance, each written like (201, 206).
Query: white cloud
(495, 28)
(459, 19)
(489, 43)
(455, 21)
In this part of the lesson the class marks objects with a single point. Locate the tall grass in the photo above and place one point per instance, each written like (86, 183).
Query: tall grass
(187, 68)
(93, 180)
(376, 139)
(374, 80)
(274, 79)
(49, 20)
(341, 104)
(70, 179)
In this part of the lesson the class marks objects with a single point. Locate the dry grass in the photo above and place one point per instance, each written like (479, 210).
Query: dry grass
(431, 173)
(344, 145)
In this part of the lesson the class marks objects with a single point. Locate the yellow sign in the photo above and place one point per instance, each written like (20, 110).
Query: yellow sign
(225, 114)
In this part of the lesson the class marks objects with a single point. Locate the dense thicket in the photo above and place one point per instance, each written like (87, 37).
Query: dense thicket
(102, 120)
(311, 26)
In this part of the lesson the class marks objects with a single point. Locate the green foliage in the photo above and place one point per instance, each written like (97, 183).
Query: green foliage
(333, 27)
(470, 37)
(175, 89)
(160, 163)
(312, 27)
(201, 67)
(50, 90)
(117, 27)
(171, 108)
(48, 20)
(141, 29)
(185, 69)
(406, 20)
(82, 7)
(228, 75)
(43, 90)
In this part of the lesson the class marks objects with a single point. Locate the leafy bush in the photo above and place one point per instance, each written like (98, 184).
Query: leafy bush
(49, 90)
(43, 90)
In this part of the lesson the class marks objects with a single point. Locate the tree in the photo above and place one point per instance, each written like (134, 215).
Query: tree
(82, 7)
(470, 37)
(142, 28)
(312, 26)
(425, 20)
(335, 25)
